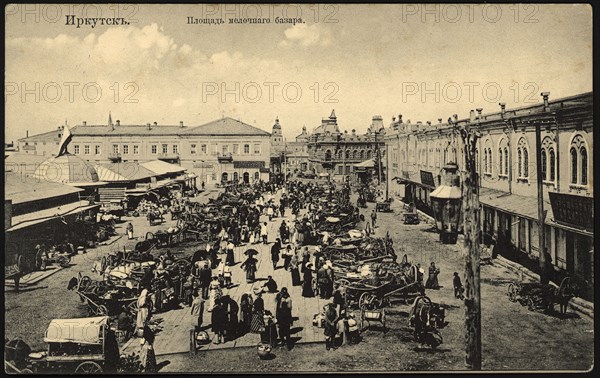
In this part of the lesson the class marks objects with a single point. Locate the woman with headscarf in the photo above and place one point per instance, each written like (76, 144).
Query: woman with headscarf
(257, 324)
(294, 270)
(143, 312)
(214, 293)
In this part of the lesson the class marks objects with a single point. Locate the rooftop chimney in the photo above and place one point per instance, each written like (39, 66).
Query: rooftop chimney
(479, 110)
(502, 109)
(472, 115)
(393, 119)
(180, 123)
(546, 105)
(155, 123)
(118, 123)
(440, 121)
(85, 123)
(400, 118)
(26, 133)
(148, 126)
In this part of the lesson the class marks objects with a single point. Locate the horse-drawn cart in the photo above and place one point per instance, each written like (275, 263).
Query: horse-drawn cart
(80, 346)
(537, 296)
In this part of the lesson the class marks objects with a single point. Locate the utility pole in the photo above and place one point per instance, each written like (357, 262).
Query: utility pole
(471, 249)
(540, 195)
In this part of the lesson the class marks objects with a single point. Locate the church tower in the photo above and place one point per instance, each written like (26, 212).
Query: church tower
(277, 143)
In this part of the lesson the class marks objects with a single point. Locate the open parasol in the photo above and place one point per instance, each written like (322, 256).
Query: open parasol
(251, 252)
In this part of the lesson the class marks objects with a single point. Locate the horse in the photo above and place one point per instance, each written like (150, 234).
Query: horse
(562, 294)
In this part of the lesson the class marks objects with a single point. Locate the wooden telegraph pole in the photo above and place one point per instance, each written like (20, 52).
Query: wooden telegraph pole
(470, 206)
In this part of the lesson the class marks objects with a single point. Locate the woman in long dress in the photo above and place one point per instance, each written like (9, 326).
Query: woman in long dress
(257, 325)
(214, 293)
(307, 289)
(294, 271)
(143, 312)
(230, 259)
(432, 280)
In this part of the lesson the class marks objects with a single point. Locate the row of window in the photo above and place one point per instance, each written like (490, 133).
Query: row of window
(124, 148)
(355, 154)
(578, 160)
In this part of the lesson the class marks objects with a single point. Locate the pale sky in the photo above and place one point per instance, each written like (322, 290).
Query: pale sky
(375, 60)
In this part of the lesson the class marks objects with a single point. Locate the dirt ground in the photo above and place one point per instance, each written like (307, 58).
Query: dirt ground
(513, 338)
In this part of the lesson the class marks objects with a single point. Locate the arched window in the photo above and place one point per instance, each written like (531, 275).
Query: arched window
(347, 154)
(362, 154)
(506, 160)
(552, 161)
(485, 160)
(235, 177)
(257, 176)
(500, 159)
(355, 154)
(573, 165)
(543, 162)
(369, 154)
(328, 155)
(520, 162)
(525, 163)
(490, 160)
(523, 158)
(583, 154)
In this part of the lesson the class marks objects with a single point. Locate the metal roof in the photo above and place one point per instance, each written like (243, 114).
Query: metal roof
(25, 188)
(161, 168)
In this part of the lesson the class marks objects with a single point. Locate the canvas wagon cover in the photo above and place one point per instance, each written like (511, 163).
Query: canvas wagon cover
(82, 330)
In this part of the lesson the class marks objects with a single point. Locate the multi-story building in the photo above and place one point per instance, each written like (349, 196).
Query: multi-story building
(506, 164)
(336, 153)
(296, 154)
(277, 148)
(222, 150)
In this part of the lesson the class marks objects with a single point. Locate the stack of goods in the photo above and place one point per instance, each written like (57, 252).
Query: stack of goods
(146, 206)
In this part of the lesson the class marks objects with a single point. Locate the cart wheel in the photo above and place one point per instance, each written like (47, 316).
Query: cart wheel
(133, 307)
(530, 304)
(26, 371)
(343, 282)
(366, 301)
(102, 310)
(88, 367)
(512, 292)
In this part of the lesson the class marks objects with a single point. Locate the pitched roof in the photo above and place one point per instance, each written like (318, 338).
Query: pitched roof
(226, 126)
(25, 188)
(17, 160)
(160, 167)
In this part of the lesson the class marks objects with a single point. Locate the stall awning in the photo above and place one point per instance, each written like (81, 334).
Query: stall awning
(162, 168)
(36, 217)
(370, 163)
(82, 330)
(123, 172)
(514, 204)
(446, 192)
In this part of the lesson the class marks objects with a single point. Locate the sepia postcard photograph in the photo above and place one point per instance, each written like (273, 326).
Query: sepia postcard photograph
(298, 188)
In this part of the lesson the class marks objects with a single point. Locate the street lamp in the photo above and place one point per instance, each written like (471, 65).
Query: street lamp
(446, 203)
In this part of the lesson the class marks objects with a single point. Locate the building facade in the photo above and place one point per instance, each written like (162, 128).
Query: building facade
(222, 150)
(296, 154)
(336, 153)
(506, 164)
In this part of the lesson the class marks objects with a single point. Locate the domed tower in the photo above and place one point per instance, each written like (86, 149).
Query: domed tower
(277, 143)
